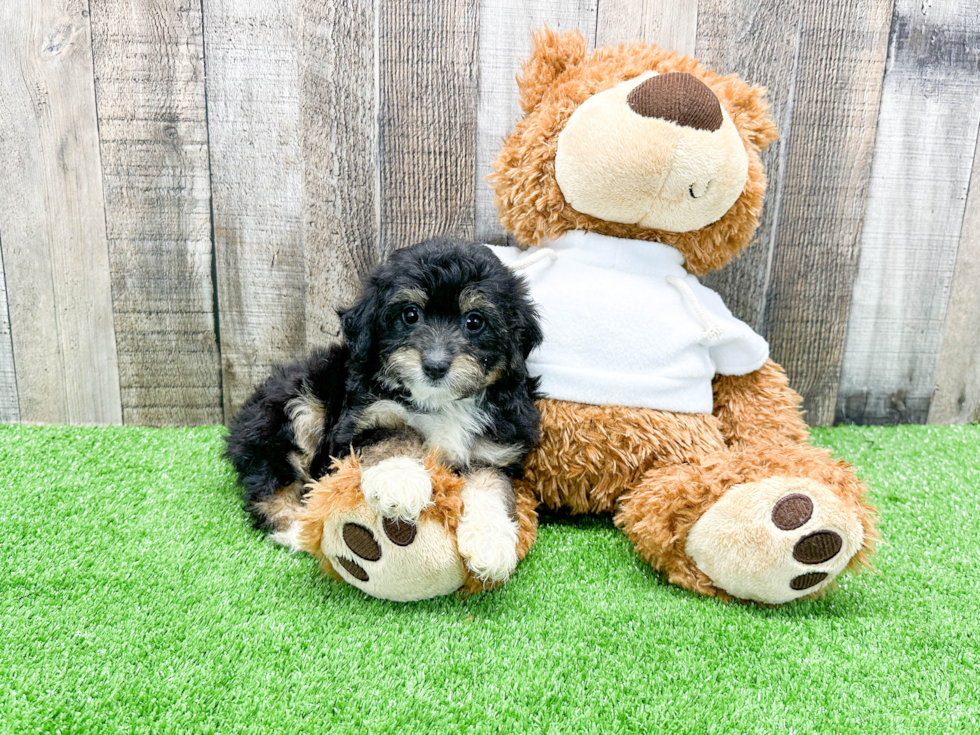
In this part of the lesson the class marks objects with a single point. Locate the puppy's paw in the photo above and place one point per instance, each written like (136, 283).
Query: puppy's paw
(399, 488)
(487, 541)
(288, 537)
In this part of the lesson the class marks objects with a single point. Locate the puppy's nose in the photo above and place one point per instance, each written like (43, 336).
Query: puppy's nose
(678, 97)
(436, 368)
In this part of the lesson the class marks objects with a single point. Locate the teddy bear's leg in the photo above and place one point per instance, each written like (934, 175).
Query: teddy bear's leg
(759, 409)
(766, 524)
(397, 558)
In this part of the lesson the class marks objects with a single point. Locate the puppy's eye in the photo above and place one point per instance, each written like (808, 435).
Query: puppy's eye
(474, 322)
(410, 315)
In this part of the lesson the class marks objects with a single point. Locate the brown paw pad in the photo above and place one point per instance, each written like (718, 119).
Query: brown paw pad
(353, 569)
(805, 581)
(817, 547)
(361, 541)
(792, 512)
(401, 533)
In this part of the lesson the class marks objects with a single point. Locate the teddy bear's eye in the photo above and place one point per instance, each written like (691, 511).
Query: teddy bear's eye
(693, 190)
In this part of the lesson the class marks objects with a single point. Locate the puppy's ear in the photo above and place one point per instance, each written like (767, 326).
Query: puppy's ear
(530, 336)
(358, 323)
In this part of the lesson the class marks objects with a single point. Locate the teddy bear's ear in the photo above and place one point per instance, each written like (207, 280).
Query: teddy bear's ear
(552, 53)
(750, 111)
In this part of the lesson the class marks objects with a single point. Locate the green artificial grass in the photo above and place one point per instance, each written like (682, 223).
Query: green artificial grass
(134, 597)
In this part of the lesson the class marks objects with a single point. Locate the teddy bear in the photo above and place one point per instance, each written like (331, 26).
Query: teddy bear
(633, 171)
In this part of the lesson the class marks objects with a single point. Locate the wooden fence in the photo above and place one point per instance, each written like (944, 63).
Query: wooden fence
(189, 188)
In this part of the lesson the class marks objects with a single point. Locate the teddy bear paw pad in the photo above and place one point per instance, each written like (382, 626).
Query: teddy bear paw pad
(392, 558)
(775, 540)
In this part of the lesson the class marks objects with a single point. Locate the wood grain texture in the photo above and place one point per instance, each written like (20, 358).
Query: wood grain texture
(427, 104)
(149, 85)
(957, 396)
(505, 42)
(927, 133)
(256, 183)
(338, 116)
(9, 405)
(822, 203)
(669, 23)
(760, 41)
(52, 216)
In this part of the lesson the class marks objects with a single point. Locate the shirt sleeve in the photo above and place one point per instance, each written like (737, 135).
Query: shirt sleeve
(733, 346)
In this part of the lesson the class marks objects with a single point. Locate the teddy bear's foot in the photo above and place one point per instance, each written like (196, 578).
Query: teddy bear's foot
(391, 558)
(775, 540)
(765, 524)
(398, 553)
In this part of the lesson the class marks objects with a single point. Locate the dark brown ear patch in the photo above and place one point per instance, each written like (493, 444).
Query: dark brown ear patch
(361, 541)
(817, 547)
(679, 97)
(792, 512)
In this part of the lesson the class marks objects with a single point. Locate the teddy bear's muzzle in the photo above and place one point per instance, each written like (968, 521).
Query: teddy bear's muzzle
(658, 151)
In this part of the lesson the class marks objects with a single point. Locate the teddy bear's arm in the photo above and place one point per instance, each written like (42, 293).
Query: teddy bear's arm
(759, 409)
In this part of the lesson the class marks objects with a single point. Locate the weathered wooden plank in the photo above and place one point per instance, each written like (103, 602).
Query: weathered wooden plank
(427, 83)
(256, 183)
(505, 41)
(149, 86)
(669, 23)
(927, 133)
(9, 406)
(52, 216)
(338, 114)
(825, 182)
(760, 41)
(957, 396)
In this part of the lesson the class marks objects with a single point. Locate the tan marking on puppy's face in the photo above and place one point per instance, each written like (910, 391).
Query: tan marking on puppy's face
(403, 369)
(411, 296)
(472, 300)
(619, 165)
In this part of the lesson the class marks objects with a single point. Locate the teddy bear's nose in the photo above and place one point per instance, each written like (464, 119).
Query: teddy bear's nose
(679, 97)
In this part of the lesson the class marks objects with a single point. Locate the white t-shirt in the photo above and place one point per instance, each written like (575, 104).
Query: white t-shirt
(624, 324)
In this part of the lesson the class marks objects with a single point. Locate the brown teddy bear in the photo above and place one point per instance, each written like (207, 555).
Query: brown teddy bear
(638, 169)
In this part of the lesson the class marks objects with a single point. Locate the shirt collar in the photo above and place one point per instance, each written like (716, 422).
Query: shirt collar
(639, 257)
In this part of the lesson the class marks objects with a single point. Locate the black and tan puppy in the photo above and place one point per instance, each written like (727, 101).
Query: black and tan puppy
(434, 349)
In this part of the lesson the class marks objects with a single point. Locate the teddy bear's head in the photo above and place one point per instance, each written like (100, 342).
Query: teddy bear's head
(636, 142)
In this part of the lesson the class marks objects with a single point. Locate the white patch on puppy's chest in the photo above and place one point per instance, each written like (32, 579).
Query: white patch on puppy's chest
(455, 428)
(451, 428)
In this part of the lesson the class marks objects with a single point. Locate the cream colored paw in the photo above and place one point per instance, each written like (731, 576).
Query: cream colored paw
(393, 560)
(398, 488)
(487, 534)
(775, 540)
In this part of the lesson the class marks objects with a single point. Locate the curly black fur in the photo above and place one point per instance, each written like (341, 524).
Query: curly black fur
(392, 359)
